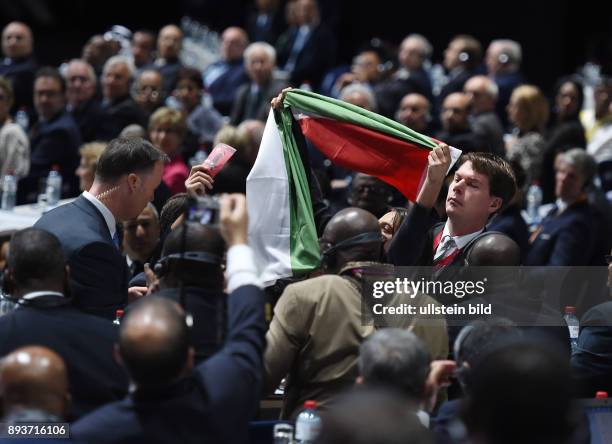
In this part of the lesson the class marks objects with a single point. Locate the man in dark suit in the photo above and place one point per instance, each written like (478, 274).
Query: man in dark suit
(54, 139)
(168, 64)
(567, 234)
(223, 78)
(118, 108)
(461, 59)
(172, 401)
(307, 50)
(81, 99)
(37, 278)
(18, 64)
(253, 99)
(483, 184)
(456, 129)
(126, 176)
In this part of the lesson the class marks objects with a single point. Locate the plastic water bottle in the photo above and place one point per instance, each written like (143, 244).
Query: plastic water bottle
(534, 200)
(22, 119)
(283, 434)
(573, 325)
(54, 186)
(9, 192)
(118, 317)
(307, 424)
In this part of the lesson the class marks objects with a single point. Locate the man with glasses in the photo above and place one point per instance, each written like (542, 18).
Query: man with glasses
(54, 138)
(148, 92)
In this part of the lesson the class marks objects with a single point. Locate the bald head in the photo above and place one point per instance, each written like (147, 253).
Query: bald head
(234, 41)
(347, 224)
(482, 93)
(495, 250)
(170, 42)
(34, 378)
(17, 40)
(455, 112)
(154, 342)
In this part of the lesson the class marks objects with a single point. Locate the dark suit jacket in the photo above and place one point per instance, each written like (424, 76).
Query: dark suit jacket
(315, 58)
(98, 272)
(209, 311)
(466, 140)
(566, 239)
(54, 142)
(169, 69)
(87, 118)
(592, 362)
(117, 115)
(455, 84)
(242, 103)
(213, 404)
(21, 74)
(390, 93)
(223, 89)
(84, 342)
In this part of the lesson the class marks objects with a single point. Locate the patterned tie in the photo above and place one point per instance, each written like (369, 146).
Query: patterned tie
(448, 245)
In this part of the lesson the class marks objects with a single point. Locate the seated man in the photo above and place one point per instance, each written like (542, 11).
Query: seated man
(37, 277)
(18, 64)
(141, 239)
(456, 130)
(318, 327)
(34, 386)
(568, 233)
(173, 401)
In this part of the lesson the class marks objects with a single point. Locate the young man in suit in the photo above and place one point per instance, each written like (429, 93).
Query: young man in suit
(483, 184)
(127, 174)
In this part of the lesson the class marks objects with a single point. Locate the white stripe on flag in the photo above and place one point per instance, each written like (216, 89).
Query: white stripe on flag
(267, 191)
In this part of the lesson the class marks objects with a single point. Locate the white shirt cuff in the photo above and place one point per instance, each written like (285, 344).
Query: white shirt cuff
(241, 269)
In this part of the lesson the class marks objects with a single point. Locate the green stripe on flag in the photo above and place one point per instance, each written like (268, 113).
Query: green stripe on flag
(304, 243)
(336, 109)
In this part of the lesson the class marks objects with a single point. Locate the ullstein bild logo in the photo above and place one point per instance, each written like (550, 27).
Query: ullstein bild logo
(411, 288)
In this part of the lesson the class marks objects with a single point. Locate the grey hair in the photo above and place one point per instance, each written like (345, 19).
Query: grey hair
(269, 50)
(491, 89)
(395, 359)
(585, 163)
(118, 59)
(362, 89)
(427, 46)
(90, 71)
(511, 48)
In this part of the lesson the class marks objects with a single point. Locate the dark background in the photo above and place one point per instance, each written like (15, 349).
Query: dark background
(557, 37)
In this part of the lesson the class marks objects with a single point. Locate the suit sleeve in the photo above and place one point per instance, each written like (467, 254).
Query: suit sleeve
(572, 246)
(409, 242)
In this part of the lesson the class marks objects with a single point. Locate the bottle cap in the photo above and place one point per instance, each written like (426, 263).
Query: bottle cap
(569, 309)
(119, 313)
(601, 395)
(310, 404)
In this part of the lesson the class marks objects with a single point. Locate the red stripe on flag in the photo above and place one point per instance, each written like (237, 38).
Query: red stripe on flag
(397, 162)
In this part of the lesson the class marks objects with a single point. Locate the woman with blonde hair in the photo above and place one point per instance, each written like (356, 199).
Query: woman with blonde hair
(167, 128)
(528, 111)
(86, 171)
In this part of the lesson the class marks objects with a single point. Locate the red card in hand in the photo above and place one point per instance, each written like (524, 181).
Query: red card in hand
(218, 158)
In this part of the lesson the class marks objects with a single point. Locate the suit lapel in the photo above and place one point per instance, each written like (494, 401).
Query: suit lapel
(84, 205)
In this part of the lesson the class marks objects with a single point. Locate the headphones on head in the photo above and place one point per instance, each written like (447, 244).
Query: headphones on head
(161, 267)
(328, 257)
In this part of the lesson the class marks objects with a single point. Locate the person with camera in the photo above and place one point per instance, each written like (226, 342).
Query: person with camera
(210, 402)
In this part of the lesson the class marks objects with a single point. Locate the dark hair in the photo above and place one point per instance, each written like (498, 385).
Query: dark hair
(399, 214)
(502, 182)
(35, 257)
(191, 74)
(53, 73)
(522, 392)
(197, 237)
(159, 361)
(576, 83)
(127, 155)
(172, 209)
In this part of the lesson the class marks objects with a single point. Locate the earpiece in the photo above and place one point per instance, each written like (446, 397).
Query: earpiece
(464, 56)
(503, 58)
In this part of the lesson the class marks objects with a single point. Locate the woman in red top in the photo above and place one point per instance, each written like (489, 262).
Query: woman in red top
(167, 128)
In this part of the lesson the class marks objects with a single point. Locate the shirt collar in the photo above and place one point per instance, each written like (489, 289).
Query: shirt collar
(36, 294)
(460, 241)
(106, 213)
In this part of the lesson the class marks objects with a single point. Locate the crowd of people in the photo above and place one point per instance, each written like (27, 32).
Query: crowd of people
(202, 342)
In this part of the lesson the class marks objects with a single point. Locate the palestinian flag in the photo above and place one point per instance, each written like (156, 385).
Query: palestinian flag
(281, 223)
